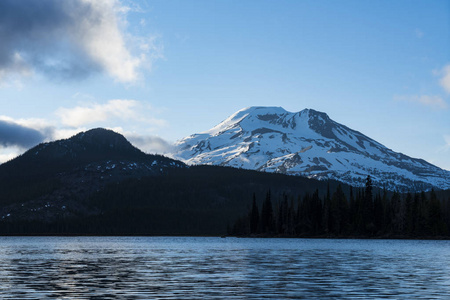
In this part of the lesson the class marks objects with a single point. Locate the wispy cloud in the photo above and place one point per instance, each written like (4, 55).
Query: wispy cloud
(69, 39)
(150, 143)
(445, 79)
(118, 109)
(83, 115)
(432, 101)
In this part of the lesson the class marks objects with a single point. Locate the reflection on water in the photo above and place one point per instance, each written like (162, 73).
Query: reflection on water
(191, 267)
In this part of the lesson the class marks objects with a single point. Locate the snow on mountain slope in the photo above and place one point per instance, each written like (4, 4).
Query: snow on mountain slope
(306, 143)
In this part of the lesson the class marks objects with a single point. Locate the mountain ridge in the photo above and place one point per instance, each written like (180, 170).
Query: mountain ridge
(307, 143)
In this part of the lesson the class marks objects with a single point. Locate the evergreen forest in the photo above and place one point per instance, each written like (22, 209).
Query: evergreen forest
(359, 213)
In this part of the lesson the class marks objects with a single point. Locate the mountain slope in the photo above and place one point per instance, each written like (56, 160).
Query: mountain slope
(56, 179)
(306, 143)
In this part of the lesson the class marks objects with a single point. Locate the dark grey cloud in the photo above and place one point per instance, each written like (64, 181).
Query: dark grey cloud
(12, 134)
(36, 35)
(63, 39)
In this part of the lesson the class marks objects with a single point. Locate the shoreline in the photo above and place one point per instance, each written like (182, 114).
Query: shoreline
(395, 237)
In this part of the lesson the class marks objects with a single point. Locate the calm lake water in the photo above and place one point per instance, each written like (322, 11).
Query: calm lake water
(214, 268)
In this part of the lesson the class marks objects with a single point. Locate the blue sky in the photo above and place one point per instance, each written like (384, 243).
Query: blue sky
(158, 71)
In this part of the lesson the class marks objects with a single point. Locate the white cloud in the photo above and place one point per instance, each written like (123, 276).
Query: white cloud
(8, 153)
(82, 115)
(150, 143)
(103, 40)
(65, 133)
(445, 80)
(432, 101)
(118, 109)
(41, 125)
(71, 39)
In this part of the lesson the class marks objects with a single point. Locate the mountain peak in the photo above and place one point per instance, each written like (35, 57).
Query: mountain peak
(272, 113)
(268, 116)
(102, 138)
(97, 132)
(278, 110)
(306, 143)
(94, 144)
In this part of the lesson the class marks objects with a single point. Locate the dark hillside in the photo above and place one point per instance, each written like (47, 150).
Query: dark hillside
(74, 168)
(199, 200)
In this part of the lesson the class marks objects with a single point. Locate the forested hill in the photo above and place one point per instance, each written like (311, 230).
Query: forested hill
(201, 200)
(54, 180)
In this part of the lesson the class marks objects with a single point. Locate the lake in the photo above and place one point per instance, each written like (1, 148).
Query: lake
(214, 268)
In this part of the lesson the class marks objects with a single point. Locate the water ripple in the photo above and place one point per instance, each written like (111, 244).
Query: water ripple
(212, 268)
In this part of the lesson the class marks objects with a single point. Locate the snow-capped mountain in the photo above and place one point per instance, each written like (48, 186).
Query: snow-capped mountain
(307, 143)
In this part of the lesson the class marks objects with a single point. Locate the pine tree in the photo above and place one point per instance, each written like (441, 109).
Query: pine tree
(409, 218)
(267, 222)
(291, 218)
(280, 218)
(398, 216)
(254, 217)
(423, 215)
(326, 211)
(416, 217)
(316, 212)
(378, 212)
(338, 212)
(353, 210)
(387, 209)
(436, 223)
(284, 216)
(368, 207)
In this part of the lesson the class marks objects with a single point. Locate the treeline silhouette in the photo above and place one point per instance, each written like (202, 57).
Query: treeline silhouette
(207, 200)
(200, 200)
(360, 213)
